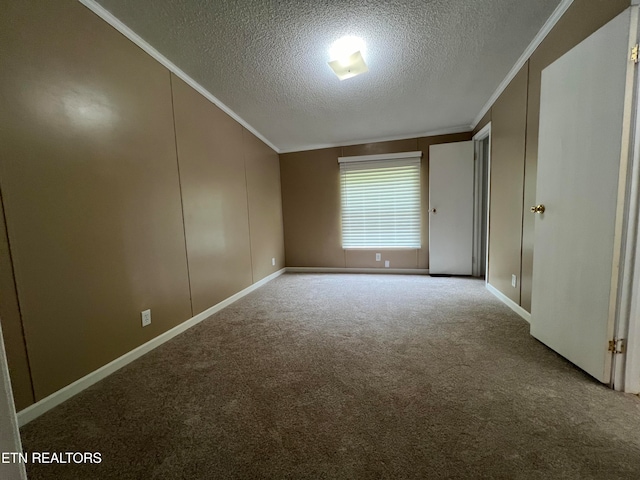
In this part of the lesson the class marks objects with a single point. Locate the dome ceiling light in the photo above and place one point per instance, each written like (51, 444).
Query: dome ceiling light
(347, 57)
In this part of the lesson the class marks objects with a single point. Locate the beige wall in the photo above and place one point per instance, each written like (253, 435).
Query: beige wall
(94, 176)
(508, 123)
(12, 325)
(310, 198)
(311, 206)
(214, 196)
(514, 143)
(262, 167)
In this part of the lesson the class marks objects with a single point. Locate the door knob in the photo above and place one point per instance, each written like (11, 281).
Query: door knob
(538, 209)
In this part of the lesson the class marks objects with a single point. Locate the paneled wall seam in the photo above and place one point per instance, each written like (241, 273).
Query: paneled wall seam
(246, 187)
(184, 228)
(15, 284)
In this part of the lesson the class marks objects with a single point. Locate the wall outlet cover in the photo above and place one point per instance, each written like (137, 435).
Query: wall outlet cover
(146, 318)
(514, 281)
(273, 262)
(386, 264)
(378, 257)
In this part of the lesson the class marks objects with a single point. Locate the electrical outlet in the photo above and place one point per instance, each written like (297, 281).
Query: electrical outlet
(386, 264)
(378, 257)
(146, 318)
(273, 262)
(514, 281)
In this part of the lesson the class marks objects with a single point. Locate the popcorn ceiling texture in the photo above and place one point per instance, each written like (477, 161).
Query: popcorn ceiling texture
(432, 64)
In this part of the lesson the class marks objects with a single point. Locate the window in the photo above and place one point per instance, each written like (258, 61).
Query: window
(381, 200)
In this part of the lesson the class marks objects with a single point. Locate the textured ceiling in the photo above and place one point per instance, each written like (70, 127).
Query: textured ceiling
(433, 64)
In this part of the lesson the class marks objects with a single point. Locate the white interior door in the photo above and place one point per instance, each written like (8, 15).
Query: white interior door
(576, 250)
(451, 208)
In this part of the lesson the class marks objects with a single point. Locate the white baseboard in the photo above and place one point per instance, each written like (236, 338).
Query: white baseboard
(407, 271)
(509, 303)
(56, 398)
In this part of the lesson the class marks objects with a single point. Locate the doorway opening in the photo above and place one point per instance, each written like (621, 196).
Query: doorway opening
(482, 165)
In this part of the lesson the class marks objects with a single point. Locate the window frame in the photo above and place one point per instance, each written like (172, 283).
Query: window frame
(402, 159)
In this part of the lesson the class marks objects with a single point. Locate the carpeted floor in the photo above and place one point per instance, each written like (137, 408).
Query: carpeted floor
(349, 376)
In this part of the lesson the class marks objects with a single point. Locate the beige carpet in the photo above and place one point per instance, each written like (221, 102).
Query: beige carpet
(349, 376)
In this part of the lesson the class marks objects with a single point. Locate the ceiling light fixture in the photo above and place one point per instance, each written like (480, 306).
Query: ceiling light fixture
(346, 57)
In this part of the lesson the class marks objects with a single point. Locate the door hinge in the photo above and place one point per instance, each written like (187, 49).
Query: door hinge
(618, 345)
(635, 53)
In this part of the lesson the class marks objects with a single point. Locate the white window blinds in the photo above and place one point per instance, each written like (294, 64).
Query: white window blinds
(381, 201)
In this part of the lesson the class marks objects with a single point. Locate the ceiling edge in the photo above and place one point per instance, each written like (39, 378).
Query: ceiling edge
(432, 133)
(146, 47)
(537, 40)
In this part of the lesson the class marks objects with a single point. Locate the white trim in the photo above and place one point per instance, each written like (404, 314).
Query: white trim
(626, 373)
(626, 215)
(432, 133)
(485, 131)
(8, 419)
(509, 303)
(481, 189)
(537, 40)
(56, 398)
(382, 156)
(146, 47)
(486, 266)
(626, 367)
(401, 271)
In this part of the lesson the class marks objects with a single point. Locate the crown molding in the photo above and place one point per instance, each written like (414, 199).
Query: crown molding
(108, 17)
(432, 133)
(537, 40)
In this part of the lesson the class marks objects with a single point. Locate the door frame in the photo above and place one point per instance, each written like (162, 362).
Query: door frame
(626, 367)
(478, 191)
(10, 440)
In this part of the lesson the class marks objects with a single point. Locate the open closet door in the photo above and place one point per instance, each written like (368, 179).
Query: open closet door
(582, 165)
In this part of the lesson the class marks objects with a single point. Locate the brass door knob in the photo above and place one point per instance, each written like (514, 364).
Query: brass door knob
(538, 209)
